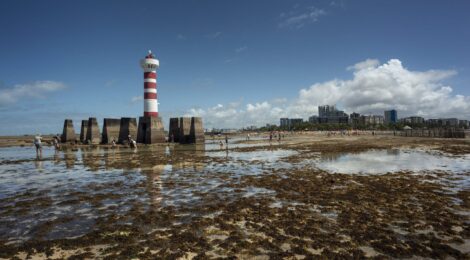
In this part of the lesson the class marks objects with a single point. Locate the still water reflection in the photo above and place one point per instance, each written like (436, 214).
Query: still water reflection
(392, 160)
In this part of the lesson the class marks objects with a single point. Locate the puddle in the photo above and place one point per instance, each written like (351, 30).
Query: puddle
(261, 155)
(393, 160)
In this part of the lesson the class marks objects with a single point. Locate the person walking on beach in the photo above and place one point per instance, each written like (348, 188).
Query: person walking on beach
(37, 143)
(56, 143)
(132, 142)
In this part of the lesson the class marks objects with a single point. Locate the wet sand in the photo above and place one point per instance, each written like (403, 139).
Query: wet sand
(256, 199)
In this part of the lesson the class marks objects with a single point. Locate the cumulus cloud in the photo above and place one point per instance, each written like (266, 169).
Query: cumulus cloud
(374, 87)
(235, 114)
(37, 89)
(299, 18)
(369, 63)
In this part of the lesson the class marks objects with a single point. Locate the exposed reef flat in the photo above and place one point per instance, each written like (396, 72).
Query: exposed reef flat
(269, 200)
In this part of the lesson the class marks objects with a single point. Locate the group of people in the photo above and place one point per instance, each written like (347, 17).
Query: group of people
(274, 135)
(38, 144)
(37, 141)
(132, 142)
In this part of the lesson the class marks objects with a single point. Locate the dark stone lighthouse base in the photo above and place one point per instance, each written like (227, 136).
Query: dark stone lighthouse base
(150, 130)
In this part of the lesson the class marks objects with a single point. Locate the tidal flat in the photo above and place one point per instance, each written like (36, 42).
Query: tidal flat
(308, 196)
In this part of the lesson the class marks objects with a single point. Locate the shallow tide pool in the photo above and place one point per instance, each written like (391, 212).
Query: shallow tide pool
(392, 160)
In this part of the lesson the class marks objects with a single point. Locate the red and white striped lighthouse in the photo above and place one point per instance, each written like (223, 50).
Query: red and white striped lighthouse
(150, 66)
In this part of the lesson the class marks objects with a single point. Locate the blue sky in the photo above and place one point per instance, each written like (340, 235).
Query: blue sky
(235, 63)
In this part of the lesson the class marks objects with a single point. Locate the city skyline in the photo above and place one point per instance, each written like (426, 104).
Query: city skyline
(330, 114)
(234, 64)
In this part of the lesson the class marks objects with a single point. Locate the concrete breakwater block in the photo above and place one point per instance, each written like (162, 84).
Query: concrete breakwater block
(128, 127)
(83, 131)
(93, 133)
(196, 134)
(185, 130)
(110, 130)
(150, 130)
(174, 130)
(68, 133)
(191, 130)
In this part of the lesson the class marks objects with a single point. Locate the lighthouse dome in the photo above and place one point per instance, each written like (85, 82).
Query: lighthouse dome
(149, 63)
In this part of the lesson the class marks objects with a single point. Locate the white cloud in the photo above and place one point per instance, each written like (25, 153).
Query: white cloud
(279, 101)
(373, 88)
(369, 63)
(214, 35)
(180, 37)
(37, 89)
(137, 99)
(241, 49)
(297, 19)
(339, 4)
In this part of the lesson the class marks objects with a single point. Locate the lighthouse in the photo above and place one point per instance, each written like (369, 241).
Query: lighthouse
(150, 128)
(150, 65)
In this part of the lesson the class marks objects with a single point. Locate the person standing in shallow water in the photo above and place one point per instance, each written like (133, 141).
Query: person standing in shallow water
(56, 142)
(38, 145)
(132, 142)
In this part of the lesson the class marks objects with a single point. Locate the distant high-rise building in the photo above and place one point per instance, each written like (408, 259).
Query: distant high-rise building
(450, 122)
(326, 110)
(355, 119)
(390, 116)
(330, 115)
(447, 122)
(295, 122)
(288, 123)
(464, 123)
(372, 120)
(284, 122)
(433, 122)
(415, 120)
(313, 119)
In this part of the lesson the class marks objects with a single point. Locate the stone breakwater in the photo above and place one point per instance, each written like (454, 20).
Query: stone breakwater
(150, 130)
